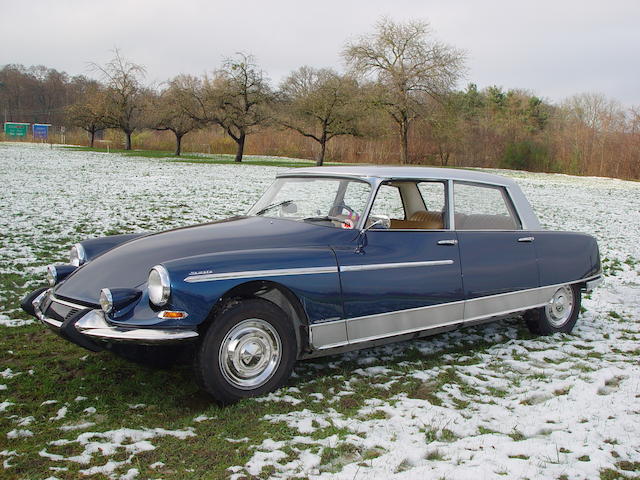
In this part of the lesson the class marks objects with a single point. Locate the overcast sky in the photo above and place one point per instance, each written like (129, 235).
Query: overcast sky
(553, 48)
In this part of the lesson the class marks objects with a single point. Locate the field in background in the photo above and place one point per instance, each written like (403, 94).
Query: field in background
(483, 402)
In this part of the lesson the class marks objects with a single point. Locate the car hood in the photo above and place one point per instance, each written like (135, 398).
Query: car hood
(128, 265)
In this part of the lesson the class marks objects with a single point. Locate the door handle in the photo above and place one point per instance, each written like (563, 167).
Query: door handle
(448, 242)
(526, 239)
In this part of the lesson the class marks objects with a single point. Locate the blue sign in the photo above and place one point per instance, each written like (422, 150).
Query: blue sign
(41, 131)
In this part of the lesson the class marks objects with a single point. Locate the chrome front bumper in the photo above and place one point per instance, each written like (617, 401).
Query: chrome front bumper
(94, 325)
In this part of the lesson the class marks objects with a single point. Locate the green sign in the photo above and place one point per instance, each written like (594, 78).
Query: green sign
(16, 129)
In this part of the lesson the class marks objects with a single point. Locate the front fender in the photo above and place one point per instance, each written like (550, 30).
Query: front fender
(198, 282)
(95, 247)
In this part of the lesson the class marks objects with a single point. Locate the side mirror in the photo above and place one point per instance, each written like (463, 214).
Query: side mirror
(377, 222)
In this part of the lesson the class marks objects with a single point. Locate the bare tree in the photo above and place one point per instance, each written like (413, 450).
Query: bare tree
(89, 113)
(124, 94)
(167, 111)
(409, 66)
(236, 98)
(319, 104)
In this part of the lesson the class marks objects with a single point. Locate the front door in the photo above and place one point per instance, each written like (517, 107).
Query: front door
(401, 282)
(404, 278)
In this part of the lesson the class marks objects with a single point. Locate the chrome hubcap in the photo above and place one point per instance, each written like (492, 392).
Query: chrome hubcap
(560, 307)
(250, 354)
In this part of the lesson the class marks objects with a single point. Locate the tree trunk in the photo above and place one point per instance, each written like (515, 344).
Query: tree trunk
(240, 143)
(178, 144)
(404, 142)
(93, 137)
(128, 140)
(323, 149)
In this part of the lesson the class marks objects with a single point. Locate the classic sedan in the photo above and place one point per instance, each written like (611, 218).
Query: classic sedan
(329, 259)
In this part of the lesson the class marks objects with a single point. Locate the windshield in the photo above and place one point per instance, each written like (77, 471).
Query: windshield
(335, 202)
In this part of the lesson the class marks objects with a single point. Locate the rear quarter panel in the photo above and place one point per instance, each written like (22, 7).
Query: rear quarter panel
(566, 257)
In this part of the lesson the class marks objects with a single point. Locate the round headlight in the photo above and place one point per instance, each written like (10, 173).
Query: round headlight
(106, 300)
(52, 275)
(159, 285)
(77, 256)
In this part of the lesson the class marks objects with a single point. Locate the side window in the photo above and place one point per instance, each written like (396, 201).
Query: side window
(433, 195)
(481, 207)
(388, 203)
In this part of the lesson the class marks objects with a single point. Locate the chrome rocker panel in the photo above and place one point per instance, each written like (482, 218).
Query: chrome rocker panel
(94, 325)
(432, 319)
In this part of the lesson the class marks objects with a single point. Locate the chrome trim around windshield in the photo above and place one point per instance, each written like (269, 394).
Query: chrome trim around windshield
(279, 272)
(384, 266)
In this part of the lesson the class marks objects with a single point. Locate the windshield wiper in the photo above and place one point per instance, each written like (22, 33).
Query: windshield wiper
(274, 205)
(327, 218)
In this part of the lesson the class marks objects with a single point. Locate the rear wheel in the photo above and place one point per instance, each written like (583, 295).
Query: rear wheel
(249, 349)
(558, 315)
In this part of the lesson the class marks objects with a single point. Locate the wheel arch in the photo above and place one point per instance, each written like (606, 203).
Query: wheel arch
(275, 293)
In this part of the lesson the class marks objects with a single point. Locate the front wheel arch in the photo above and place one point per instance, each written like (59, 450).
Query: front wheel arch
(273, 292)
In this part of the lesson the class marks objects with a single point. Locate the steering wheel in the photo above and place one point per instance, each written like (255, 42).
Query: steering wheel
(337, 210)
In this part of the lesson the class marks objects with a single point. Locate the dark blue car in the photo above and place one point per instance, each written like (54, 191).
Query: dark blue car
(328, 260)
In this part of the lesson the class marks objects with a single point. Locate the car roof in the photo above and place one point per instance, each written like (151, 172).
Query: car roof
(400, 173)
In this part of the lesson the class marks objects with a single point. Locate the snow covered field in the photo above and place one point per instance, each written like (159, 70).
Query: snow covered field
(484, 402)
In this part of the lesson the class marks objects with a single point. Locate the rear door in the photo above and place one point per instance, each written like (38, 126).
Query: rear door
(498, 259)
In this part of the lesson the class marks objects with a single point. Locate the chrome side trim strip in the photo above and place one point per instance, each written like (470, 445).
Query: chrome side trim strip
(279, 272)
(509, 302)
(383, 266)
(364, 329)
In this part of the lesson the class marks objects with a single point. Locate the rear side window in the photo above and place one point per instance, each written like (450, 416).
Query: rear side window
(482, 207)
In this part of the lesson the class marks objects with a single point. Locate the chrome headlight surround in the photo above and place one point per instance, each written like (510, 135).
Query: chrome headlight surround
(106, 300)
(159, 286)
(52, 275)
(77, 255)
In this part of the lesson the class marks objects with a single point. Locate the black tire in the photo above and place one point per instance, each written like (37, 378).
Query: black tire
(547, 321)
(245, 334)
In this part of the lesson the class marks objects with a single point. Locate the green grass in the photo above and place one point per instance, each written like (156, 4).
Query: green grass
(256, 160)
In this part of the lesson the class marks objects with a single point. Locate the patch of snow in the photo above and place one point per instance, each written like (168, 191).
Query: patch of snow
(203, 418)
(77, 426)
(8, 373)
(19, 433)
(60, 414)
(23, 422)
(238, 440)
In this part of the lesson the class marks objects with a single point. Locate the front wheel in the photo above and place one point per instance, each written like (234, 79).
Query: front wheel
(249, 349)
(558, 315)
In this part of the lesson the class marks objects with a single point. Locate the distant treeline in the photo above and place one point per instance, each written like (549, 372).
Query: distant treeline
(397, 104)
